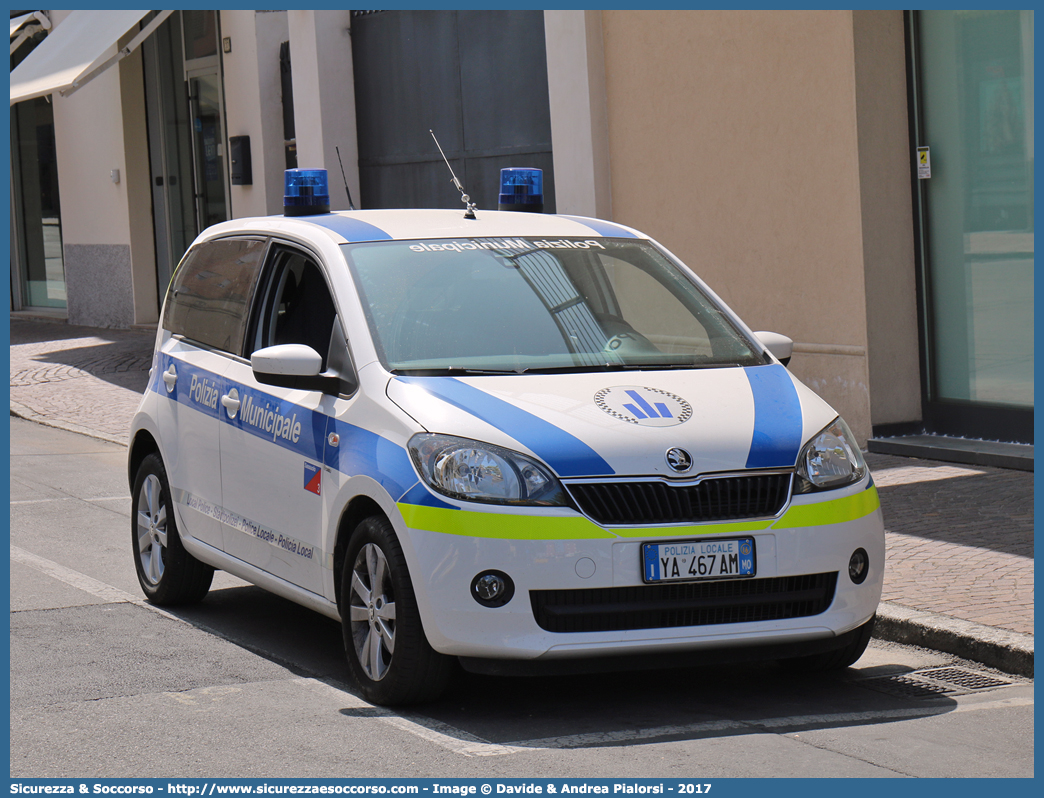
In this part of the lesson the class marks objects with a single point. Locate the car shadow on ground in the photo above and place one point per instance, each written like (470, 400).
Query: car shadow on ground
(574, 710)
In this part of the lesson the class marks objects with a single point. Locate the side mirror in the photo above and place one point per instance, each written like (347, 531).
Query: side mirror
(295, 360)
(781, 347)
(292, 366)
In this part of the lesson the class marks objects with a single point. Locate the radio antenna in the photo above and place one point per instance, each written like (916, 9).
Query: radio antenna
(469, 213)
(345, 179)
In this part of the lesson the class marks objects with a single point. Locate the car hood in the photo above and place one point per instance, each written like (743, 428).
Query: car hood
(624, 423)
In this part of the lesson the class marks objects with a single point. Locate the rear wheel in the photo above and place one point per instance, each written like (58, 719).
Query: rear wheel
(166, 572)
(387, 652)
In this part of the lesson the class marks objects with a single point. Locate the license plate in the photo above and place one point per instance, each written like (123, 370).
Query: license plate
(689, 560)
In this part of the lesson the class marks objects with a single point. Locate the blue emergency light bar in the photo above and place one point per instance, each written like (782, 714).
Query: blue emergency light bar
(306, 192)
(521, 190)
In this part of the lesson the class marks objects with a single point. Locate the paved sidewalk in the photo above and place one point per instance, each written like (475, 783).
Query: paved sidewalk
(959, 574)
(79, 378)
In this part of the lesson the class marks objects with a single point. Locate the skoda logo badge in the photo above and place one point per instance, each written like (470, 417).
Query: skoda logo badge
(647, 407)
(679, 459)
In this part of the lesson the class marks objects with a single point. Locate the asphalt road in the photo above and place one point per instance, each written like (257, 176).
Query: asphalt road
(249, 685)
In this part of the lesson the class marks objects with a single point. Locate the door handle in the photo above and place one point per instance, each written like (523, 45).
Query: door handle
(170, 377)
(230, 401)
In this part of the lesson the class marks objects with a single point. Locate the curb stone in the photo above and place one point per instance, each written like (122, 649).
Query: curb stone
(1005, 650)
(27, 414)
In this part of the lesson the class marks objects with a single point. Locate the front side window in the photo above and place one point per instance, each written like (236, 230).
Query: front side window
(531, 305)
(297, 307)
(209, 297)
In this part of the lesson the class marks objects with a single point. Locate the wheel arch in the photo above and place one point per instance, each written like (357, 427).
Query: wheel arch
(357, 509)
(141, 447)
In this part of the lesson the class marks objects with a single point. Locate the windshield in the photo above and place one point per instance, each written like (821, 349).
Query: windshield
(534, 305)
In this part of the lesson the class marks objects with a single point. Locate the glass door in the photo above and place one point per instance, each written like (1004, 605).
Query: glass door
(208, 149)
(185, 111)
(170, 149)
(37, 258)
(974, 110)
(200, 37)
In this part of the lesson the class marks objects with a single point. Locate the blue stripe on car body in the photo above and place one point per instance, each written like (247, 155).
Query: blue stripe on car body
(420, 495)
(567, 455)
(359, 451)
(777, 418)
(349, 228)
(602, 227)
(182, 389)
(363, 452)
(775, 441)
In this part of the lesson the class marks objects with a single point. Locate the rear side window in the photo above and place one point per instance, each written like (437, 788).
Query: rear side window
(209, 298)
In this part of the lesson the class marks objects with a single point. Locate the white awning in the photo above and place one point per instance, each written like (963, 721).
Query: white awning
(81, 47)
(27, 25)
(18, 22)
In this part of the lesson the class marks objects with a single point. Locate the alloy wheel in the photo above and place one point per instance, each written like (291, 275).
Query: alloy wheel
(152, 529)
(372, 612)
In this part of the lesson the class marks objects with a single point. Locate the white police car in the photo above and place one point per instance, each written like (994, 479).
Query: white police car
(515, 439)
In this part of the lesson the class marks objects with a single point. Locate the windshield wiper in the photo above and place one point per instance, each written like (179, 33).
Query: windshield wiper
(655, 366)
(599, 367)
(590, 368)
(454, 371)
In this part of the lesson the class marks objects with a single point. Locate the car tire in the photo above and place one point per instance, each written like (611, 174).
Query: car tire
(166, 572)
(388, 654)
(839, 658)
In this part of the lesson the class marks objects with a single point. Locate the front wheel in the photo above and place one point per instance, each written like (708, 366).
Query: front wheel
(852, 649)
(387, 652)
(166, 572)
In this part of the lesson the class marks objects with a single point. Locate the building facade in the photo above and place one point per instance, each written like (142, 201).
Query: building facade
(861, 181)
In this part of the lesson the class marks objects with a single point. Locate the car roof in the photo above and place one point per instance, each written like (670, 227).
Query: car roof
(403, 225)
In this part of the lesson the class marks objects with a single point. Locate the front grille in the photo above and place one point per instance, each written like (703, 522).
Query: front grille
(725, 498)
(611, 609)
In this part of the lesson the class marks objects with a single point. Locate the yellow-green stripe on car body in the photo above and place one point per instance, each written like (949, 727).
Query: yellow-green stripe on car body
(835, 511)
(508, 526)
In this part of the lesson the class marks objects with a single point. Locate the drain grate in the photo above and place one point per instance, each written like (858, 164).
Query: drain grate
(969, 680)
(908, 686)
(932, 682)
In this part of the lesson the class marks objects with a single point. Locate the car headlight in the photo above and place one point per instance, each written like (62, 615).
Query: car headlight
(481, 472)
(830, 460)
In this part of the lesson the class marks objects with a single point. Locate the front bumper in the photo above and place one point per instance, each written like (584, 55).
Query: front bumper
(560, 551)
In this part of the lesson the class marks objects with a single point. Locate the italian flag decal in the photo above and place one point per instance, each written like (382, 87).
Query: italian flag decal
(312, 476)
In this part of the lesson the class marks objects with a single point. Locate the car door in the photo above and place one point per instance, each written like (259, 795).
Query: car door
(272, 437)
(204, 322)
